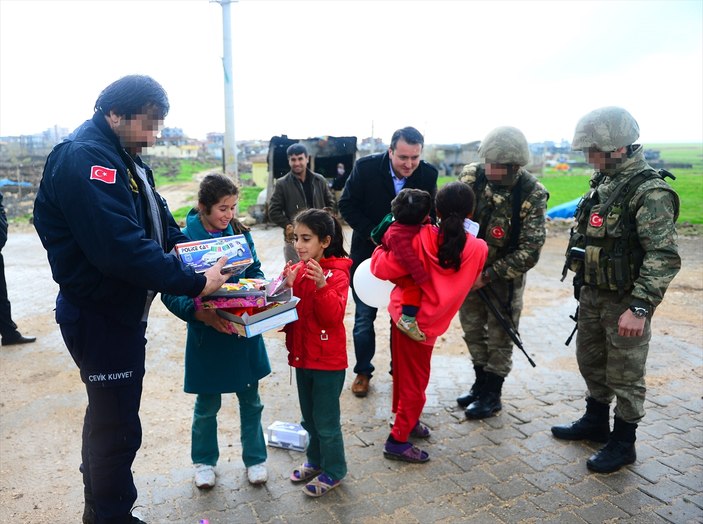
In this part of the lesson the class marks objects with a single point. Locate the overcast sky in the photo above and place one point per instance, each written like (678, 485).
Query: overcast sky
(453, 69)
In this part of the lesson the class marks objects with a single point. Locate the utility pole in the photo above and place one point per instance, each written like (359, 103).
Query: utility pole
(230, 153)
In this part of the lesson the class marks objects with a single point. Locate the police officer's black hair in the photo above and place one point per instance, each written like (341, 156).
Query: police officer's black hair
(409, 134)
(212, 189)
(132, 95)
(324, 224)
(455, 202)
(296, 149)
(411, 206)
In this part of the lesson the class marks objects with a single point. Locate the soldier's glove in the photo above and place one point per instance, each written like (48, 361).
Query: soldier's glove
(288, 234)
(469, 173)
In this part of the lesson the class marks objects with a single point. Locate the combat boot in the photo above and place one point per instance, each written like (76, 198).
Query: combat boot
(488, 402)
(618, 452)
(594, 425)
(475, 390)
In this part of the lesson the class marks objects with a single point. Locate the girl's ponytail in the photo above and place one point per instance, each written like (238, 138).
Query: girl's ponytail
(455, 202)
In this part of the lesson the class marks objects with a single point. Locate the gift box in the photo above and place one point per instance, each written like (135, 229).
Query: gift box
(287, 435)
(247, 293)
(203, 254)
(248, 322)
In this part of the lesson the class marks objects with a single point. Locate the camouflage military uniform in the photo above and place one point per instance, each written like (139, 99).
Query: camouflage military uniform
(613, 365)
(489, 345)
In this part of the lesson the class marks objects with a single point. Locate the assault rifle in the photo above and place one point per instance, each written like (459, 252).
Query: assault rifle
(575, 253)
(507, 326)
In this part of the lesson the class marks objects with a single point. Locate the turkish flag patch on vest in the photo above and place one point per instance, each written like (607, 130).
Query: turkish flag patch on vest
(497, 232)
(596, 220)
(104, 174)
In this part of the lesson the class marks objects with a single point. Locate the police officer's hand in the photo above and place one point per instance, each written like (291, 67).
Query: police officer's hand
(630, 326)
(209, 317)
(215, 278)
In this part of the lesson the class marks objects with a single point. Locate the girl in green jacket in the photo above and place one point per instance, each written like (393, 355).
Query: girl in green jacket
(216, 361)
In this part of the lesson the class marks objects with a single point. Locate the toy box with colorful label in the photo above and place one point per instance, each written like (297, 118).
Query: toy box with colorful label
(203, 254)
(248, 322)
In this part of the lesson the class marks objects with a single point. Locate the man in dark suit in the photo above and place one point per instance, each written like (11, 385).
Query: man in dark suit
(374, 181)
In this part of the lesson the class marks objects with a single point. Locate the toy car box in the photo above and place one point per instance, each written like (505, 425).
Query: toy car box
(203, 254)
(287, 436)
(273, 316)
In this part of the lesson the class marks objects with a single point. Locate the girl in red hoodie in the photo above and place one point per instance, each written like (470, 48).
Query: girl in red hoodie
(317, 344)
(453, 259)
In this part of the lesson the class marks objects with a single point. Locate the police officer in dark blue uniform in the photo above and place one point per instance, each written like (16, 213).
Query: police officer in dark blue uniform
(108, 235)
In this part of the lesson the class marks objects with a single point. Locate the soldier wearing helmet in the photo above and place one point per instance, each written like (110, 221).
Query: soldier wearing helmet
(625, 235)
(510, 209)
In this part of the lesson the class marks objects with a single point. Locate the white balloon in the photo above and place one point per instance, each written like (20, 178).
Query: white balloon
(372, 291)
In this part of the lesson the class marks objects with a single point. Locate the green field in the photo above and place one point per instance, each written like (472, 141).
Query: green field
(171, 170)
(688, 184)
(562, 187)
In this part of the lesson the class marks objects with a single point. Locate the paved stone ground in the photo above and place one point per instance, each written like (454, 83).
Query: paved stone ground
(501, 470)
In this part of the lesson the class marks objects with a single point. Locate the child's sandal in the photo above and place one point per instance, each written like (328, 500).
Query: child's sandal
(305, 472)
(320, 485)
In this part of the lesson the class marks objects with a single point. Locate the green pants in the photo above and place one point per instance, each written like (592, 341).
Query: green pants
(489, 345)
(318, 393)
(611, 365)
(204, 448)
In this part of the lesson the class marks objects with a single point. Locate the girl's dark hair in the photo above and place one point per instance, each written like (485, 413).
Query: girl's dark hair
(411, 206)
(132, 95)
(212, 189)
(455, 201)
(324, 224)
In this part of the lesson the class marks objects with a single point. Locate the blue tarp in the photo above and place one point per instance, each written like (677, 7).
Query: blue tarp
(7, 182)
(565, 210)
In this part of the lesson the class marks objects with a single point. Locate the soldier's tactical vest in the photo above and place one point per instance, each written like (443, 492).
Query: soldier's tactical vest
(607, 233)
(500, 221)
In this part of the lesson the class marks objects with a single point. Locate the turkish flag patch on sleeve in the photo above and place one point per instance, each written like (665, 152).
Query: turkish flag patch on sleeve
(104, 174)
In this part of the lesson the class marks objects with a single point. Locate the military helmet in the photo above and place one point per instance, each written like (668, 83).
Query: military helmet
(605, 129)
(505, 145)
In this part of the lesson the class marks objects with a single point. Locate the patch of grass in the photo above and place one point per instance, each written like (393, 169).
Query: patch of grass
(442, 180)
(684, 153)
(247, 197)
(173, 170)
(180, 215)
(564, 188)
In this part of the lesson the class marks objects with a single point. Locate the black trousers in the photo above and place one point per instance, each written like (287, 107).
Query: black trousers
(7, 327)
(110, 357)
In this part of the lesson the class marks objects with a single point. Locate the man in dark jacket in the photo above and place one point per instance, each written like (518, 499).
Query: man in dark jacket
(8, 329)
(374, 181)
(295, 191)
(108, 233)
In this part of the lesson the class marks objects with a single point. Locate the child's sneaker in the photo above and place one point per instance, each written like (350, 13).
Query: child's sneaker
(257, 474)
(204, 476)
(411, 329)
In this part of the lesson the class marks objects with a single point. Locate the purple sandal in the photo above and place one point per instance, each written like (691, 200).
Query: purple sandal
(404, 452)
(420, 431)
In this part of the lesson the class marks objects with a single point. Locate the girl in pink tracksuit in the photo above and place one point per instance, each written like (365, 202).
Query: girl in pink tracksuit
(453, 259)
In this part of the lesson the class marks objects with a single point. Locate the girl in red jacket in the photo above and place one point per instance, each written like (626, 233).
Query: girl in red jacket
(453, 259)
(317, 344)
